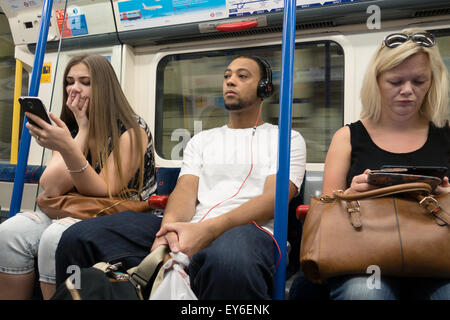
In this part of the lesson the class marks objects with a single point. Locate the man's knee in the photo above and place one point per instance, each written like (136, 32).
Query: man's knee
(230, 269)
(73, 235)
(232, 252)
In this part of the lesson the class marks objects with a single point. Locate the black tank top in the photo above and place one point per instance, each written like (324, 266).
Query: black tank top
(367, 155)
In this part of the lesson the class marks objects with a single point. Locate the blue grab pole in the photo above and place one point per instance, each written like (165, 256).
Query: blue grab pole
(24, 147)
(284, 144)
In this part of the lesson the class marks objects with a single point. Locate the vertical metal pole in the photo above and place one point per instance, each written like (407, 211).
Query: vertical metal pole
(284, 144)
(24, 148)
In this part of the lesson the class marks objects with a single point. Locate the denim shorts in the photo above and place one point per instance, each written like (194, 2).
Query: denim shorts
(27, 236)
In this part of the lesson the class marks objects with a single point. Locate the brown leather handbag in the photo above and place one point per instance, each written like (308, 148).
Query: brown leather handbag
(402, 229)
(84, 207)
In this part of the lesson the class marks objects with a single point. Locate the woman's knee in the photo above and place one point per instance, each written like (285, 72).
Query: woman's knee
(47, 248)
(19, 241)
(51, 236)
(360, 287)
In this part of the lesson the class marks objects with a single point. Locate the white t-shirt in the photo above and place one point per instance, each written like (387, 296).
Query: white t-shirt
(221, 159)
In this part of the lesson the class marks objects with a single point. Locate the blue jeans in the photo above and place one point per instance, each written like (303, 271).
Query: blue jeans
(237, 265)
(355, 287)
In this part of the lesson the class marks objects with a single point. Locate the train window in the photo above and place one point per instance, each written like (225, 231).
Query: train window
(443, 41)
(7, 75)
(189, 95)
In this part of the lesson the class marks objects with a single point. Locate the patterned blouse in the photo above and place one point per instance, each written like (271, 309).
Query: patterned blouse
(149, 183)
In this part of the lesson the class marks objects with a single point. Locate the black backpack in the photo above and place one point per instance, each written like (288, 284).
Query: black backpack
(105, 281)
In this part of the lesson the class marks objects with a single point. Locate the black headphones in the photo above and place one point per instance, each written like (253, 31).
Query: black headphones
(265, 86)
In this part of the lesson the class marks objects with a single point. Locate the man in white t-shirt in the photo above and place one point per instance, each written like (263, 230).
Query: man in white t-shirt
(221, 211)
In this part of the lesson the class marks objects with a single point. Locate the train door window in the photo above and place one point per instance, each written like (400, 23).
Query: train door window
(189, 95)
(443, 42)
(7, 79)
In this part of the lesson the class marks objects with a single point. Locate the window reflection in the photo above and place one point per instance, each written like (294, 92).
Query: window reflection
(189, 95)
(7, 79)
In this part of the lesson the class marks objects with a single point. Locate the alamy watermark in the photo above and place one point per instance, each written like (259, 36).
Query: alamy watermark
(373, 281)
(374, 20)
(75, 275)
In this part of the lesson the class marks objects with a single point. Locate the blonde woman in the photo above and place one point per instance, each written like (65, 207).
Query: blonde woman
(100, 148)
(404, 121)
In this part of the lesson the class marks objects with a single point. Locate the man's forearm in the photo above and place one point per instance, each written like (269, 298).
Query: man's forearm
(182, 201)
(259, 209)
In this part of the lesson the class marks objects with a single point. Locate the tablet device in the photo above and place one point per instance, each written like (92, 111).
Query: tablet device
(433, 171)
(35, 106)
(388, 177)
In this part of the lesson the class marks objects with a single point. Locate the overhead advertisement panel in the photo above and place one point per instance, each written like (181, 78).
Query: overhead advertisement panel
(20, 5)
(239, 8)
(24, 18)
(140, 14)
(83, 18)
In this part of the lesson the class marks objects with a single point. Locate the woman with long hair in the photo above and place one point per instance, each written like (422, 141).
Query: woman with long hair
(101, 147)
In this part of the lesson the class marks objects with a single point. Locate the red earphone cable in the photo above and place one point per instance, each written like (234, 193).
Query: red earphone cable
(274, 240)
(251, 166)
(250, 171)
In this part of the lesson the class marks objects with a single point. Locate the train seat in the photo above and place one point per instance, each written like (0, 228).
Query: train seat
(166, 179)
(32, 173)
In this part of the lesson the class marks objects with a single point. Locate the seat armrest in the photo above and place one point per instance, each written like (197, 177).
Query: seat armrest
(158, 202)
(302, 211)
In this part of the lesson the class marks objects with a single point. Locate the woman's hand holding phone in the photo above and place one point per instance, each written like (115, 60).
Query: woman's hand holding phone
(55, 137)
(360, 183)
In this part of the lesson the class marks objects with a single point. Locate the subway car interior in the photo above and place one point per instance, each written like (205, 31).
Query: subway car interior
(169, 58)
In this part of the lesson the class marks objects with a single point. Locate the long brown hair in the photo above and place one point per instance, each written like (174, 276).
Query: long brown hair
(108, 107)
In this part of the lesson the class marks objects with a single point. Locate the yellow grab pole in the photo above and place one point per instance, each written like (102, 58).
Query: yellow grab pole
(16, 113)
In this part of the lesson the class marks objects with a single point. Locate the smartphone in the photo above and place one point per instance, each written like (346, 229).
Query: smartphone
(35, 106)
(431, 171)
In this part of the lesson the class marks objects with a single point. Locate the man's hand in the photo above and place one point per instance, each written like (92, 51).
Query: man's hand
(169, 237)
(190, 237)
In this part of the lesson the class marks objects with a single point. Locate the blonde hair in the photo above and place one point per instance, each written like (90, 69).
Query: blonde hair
(435, 103)
(108, 107)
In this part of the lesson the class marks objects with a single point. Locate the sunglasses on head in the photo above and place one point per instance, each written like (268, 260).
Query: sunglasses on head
(423, 39)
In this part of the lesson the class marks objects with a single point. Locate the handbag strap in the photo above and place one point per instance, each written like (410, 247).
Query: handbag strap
(420, 190)
(433, 206)
(418, 187)
(149, 266)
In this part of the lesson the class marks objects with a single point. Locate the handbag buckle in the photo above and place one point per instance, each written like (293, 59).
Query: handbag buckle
(112, 271)
(114, 267)
(354, 211)
(432, 206)
(326, 198)
(428, 200)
